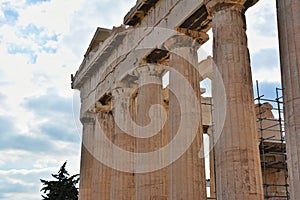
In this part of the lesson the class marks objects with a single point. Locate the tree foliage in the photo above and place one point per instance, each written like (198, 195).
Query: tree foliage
(63, 188)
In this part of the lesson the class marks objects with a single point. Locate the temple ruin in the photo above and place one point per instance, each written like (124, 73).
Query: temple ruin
(143, 135)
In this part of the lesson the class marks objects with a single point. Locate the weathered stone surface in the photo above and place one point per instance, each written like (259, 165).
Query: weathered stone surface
(123, 51)
(238, 173)
(101, 180)
(87, 159)
(122, 183)
(267, 126)
(289, 43)
(187, 175)
(151, 185)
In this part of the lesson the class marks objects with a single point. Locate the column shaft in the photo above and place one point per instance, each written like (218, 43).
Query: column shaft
(122, 183)
(151, 185)
(101, 181)
(187, 174)
(289, 42)
(238, 171)
(87, 159)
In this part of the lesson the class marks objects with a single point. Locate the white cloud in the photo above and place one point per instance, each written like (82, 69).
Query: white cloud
(20, 196)
(55, 15)
(19, 182)
(51, 70)
(2, 16)
(262, 26)
(12, 155)
(27, 171)
(267, 75)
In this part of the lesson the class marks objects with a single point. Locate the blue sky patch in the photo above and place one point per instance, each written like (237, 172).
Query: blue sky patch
(266, 22)
(18, 49)
(39, 36)
(31, 29)
(50, 50)
(60, 131)
(48, 105)
(266, 89)
(30, 2)
(265, 58)
(11, 16)
(11, 139)
(58, 110)
(28, 183)
(6, 125)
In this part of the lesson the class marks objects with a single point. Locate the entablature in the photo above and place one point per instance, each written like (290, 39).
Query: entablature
(127, 47)
(138, 12)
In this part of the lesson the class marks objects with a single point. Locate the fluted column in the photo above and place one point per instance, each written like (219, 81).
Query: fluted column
(101, 180)
(87, 159)
(123, 183)
(237, 159)
(150, 185)
(187, 174)
(289, 42)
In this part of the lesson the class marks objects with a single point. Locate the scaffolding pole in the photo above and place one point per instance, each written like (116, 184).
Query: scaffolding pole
(272, 146)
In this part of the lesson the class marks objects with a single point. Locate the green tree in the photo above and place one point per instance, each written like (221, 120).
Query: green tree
(63, 188)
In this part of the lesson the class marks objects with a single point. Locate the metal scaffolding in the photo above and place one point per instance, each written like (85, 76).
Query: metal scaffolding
(272, 145)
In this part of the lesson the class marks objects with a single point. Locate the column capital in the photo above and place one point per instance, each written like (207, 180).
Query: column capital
(88, 118)
(185, 39)
(199, 37)
(214, 6)
(150, 69)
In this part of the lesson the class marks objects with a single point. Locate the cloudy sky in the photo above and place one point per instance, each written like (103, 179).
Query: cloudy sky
(41, 43)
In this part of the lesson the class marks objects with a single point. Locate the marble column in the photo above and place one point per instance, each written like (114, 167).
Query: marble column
(87, 159)
(237, 159)
(123, 183)
(187, 173)
(101, 180)
(150, 185)
(289, 42)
